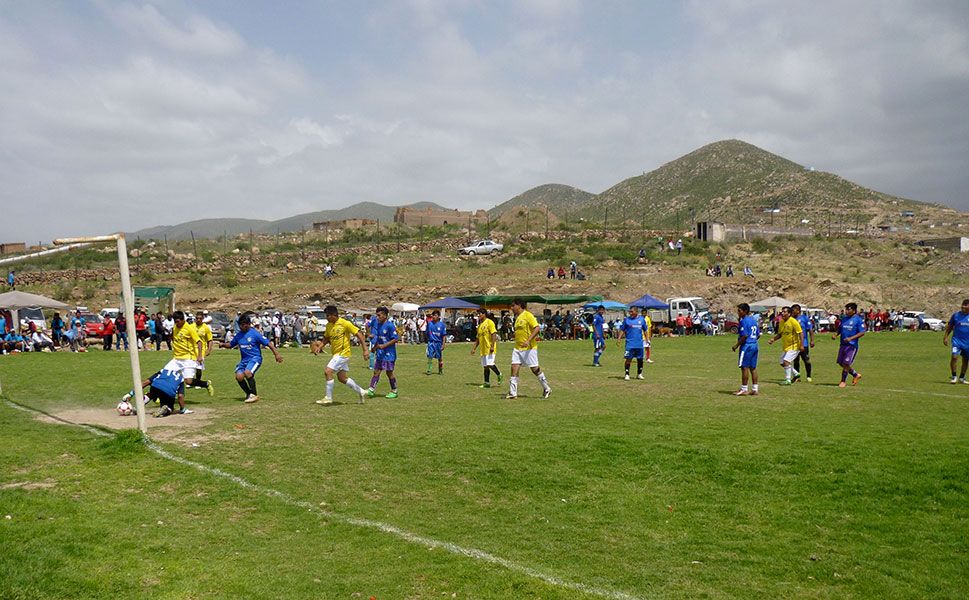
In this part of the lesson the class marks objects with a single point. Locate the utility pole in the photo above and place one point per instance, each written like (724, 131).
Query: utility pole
(302, 244)
(195, 248)
(546, 221)
(469, 229)
(166, 247)
(250, 242)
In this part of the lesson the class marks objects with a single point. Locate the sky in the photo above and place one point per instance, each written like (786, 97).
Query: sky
(117, 115)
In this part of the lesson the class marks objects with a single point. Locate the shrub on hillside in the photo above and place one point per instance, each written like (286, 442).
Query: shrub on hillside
(761, 246)
(347, 260)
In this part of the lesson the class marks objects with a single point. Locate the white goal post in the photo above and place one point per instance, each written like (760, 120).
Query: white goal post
(65, 244)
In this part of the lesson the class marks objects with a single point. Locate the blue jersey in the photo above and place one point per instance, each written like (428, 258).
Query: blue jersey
(436, 332)
(3, 325)
(960, 329)
(373, 326)
(633, 327)
(851, 326)
(385, 333)
(597, 327)
(748, 328)
(168, 382)
(250, 345)
(806, 325)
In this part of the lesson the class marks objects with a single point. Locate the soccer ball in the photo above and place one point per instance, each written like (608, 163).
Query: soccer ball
(125, 409)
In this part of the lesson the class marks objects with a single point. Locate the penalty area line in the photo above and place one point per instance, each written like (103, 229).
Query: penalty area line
(408, 536)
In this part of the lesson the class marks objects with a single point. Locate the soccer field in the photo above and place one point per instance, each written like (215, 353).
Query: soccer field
(668, 487)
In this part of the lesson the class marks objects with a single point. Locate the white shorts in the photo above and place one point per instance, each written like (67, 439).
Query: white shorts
(186, 365)
(529, 358)
(789, 356)
(488, 360)
(339, 363)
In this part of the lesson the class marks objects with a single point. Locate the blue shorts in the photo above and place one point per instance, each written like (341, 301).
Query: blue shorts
(434, 350)
(252, 366)
(748, 357)
(634, 353)
(962, 351)
(598, 343)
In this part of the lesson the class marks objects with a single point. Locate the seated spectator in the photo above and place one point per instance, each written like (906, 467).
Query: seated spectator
(41, 342)
(580, 276)
(13, 342)
(748, 272)
(729, 270)
(561, 272)
(551, 273)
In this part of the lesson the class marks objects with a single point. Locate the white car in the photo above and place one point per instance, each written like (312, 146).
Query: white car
(482, 247)
(911, 316)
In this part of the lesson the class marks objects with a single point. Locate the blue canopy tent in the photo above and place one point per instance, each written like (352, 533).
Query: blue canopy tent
(648, 302)
(451, 303)
(607, 304)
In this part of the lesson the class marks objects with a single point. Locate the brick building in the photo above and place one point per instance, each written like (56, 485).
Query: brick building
(13, 248)
(344, 224)
(415, 217)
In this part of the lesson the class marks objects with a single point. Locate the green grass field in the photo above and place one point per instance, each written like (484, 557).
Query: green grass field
(667, 488)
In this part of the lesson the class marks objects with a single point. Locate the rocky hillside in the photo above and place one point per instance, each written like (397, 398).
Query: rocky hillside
(559, 199)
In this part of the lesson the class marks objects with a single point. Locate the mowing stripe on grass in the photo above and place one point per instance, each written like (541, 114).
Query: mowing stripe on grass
(414, 538)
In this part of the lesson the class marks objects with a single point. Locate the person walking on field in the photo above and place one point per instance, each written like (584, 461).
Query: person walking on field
(598, 335)
(748, 332)
(337, 335)
(958, 327)
(526, 349)
(385, 347)
(807, 326)
(850, 329)
(486, 343)
(789, 330)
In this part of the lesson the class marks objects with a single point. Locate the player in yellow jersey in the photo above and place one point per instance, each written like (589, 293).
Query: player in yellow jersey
(208, 343)
(337, 335)
(790, 331)
(487, 344)
(187, 354)
(526, 348)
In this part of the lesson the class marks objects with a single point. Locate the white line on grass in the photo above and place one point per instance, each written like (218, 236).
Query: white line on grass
(427, 542)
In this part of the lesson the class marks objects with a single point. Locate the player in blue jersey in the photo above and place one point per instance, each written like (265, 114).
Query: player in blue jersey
(164, 387)
(250, 343)
(807, 326)
(748, 332)
(633, 329)
(385, 347)
(372, 325)
(958, 327)
(436, 340)
(598, 335)
(851, 329)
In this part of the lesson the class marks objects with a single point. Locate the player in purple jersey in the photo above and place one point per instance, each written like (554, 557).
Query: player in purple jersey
(850, 331)
(385, 347)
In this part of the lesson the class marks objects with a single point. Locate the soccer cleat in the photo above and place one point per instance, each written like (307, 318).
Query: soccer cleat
(808, 380)
(740, 393)
(796, 378)
(363, 396)
(842, 384)
(127, 397)
(500, 378)
(547, 393)
(428, 372)
(649, 360)
(755, 393)
(211, 389)
(786, 382)
(186, 411)
(954, 379)
(510, 397)
(640, 376)
(854, 380)
(485, 385)
(163, 412)
(370, 393)
(626, 377)
(963, 380)
(391, 395)
(325, 401)
(251, 398)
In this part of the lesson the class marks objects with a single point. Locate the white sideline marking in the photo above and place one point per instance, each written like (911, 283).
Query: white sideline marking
(403, 534)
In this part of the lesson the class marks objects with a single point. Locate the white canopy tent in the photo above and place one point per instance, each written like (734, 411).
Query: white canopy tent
(404, 307)
(774, 302)
(14, 301)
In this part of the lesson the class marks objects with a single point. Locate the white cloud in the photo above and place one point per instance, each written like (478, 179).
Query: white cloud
(198, 35)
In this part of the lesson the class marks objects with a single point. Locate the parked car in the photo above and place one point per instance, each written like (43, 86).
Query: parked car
(912, 316)
(110, 312)
(32, 315)
(93, 324)
(482, 247)
(220, 322)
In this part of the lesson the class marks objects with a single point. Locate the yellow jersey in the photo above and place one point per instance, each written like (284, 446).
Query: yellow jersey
(524, 324)
(185, 341)
(205, 334)
(648, 332)
(486, 343)
(339, 334)
(791, 334)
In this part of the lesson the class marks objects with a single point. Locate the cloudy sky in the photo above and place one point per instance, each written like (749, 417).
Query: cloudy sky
(125, 115)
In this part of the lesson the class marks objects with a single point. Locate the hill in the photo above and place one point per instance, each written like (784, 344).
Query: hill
(213, 228)
(560, 199)
(735, 182)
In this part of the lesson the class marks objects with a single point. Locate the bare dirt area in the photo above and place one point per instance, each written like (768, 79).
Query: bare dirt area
(171, 428)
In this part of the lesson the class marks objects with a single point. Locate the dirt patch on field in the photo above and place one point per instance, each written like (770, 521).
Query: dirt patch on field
(29, 485)
(164, 429)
